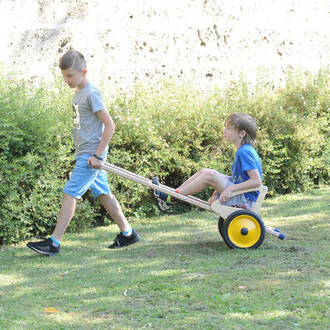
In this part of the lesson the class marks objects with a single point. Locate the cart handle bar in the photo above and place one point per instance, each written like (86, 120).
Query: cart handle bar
(147, 182)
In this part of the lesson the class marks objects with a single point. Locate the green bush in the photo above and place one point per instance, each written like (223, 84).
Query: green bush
(35, 159)
(171, 130)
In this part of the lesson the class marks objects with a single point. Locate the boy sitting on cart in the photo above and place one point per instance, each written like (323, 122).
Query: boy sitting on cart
(241, 130)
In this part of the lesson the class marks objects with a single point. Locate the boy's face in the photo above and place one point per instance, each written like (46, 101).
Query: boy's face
(74, 78)
(231, 134)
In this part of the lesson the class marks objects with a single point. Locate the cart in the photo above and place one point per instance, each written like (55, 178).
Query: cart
(239, 228)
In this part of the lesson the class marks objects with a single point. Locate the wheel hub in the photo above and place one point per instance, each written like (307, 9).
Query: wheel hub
(244, 231)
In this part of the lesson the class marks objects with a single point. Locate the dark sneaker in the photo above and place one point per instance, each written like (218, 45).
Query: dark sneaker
(45, 247)
(122, 240)
(165, 201)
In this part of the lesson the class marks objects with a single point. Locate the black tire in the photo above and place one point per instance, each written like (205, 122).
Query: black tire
(220, 225)
(243, 230)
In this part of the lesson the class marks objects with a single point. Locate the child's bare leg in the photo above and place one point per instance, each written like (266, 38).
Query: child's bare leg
(112, 206)
(65, 216)
(127, 235)
(192, 178)
(198, 182)
(204, 178)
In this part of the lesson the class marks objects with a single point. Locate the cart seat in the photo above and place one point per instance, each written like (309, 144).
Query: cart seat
(225, 211)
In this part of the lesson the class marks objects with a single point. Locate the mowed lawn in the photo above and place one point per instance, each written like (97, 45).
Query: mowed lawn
(180, 275)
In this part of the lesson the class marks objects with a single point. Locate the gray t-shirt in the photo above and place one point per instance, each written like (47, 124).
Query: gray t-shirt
(87, 127)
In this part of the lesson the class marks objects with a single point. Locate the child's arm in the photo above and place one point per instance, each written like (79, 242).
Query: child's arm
(253, 182)
(109, 129)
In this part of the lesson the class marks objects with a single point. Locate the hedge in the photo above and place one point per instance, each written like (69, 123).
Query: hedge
(171, 130)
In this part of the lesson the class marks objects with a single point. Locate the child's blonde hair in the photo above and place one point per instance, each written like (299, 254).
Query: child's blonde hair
(244, 122)
(73, 60)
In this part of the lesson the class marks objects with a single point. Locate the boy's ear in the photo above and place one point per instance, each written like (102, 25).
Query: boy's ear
(242, 133)
(84, 72)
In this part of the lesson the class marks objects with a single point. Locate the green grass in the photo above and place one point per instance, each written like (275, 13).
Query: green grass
(181, 275)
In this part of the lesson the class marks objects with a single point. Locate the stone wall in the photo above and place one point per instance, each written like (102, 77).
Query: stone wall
(126, 41)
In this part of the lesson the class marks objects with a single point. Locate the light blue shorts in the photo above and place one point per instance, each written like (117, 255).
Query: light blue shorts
(84, 177)
(237, 201)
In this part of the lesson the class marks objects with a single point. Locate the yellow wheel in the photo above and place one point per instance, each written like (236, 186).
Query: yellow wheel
(243, 230)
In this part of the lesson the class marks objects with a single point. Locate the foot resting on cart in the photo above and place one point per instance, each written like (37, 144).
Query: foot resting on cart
(165, 201)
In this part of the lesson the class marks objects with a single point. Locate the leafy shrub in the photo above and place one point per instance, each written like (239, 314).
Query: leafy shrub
(35, 159)
(171, 130)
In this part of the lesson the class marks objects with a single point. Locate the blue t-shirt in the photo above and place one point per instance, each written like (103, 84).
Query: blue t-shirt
(246, 159)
